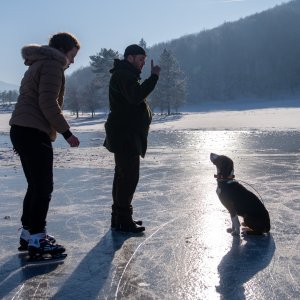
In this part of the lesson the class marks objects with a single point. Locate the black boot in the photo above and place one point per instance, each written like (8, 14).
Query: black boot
(114, 217)
(129, 226)
(113, 224)
(123, 221)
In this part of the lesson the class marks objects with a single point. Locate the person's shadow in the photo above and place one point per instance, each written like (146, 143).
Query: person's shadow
(16, 271)
(245, 259)
(92, 273)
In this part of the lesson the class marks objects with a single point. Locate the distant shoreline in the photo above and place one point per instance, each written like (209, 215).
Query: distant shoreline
(276, 119)
(240, 105)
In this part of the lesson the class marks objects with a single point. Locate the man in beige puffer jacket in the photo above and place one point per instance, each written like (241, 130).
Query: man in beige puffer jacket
(34, 123)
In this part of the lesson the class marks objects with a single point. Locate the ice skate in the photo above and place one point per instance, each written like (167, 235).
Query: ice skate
(41, 249)
(24, 239)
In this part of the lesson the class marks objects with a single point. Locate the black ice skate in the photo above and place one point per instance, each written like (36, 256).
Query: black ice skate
(41, 249)
(24, 239)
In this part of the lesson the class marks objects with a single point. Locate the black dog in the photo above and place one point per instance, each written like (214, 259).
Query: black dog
(238, 200)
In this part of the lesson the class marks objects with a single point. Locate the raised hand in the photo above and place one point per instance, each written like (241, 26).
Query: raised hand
(155, 69)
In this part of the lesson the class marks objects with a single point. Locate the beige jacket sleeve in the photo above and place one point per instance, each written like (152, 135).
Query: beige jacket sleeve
(51, 86)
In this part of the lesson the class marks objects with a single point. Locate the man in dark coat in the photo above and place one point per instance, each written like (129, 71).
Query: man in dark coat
(127, 129)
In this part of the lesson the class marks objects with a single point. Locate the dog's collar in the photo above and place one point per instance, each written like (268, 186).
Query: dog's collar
(228, 179)
(218, 176)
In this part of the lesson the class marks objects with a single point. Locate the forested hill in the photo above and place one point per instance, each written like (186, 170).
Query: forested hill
(257, 57)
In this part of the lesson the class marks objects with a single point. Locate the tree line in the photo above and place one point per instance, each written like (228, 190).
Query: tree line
(9, 97)
(250, 59)
(87, 88)
(256, 57)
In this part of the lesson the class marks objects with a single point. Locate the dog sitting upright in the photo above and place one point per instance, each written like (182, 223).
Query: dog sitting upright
(238, 200)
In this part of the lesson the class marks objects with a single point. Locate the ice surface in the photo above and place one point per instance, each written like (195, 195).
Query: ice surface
(185, 252)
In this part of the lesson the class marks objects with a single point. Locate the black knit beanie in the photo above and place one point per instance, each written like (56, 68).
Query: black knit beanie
(134, 50)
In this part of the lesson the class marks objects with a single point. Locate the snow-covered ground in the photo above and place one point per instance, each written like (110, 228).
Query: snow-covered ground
(185, 252)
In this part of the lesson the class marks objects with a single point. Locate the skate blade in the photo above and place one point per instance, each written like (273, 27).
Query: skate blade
(47, 259)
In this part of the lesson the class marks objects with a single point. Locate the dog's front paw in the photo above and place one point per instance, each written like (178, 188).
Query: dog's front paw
(229, 230)
(235, 225)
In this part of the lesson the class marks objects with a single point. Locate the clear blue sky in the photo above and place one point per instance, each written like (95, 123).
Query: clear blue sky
(109, 24)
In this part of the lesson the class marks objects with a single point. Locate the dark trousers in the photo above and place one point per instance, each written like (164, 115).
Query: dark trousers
(36, 154)
(127, 170)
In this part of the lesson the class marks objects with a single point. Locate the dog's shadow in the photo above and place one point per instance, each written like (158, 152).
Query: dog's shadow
(245, 259)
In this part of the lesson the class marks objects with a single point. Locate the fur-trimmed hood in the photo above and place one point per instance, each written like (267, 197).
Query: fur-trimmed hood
(34, 52)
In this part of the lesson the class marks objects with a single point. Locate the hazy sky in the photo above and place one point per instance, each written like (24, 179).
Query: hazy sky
(109, 24)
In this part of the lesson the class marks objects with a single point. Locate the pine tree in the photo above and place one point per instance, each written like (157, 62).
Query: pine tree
(146, 69)
(101, 63)
(143, 44)
(103, 60)
(170, 92)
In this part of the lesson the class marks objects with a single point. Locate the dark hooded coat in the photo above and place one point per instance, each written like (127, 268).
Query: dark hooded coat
(128, 122)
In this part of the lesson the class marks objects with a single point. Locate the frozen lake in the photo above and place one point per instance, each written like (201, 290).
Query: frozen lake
(185, 252)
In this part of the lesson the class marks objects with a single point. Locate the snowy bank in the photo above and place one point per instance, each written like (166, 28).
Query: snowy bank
(254, 119)
(257, 119)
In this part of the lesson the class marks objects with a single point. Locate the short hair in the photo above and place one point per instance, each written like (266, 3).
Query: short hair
(64, 42)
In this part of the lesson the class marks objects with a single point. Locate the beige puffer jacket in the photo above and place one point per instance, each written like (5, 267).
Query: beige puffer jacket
(42, 90)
